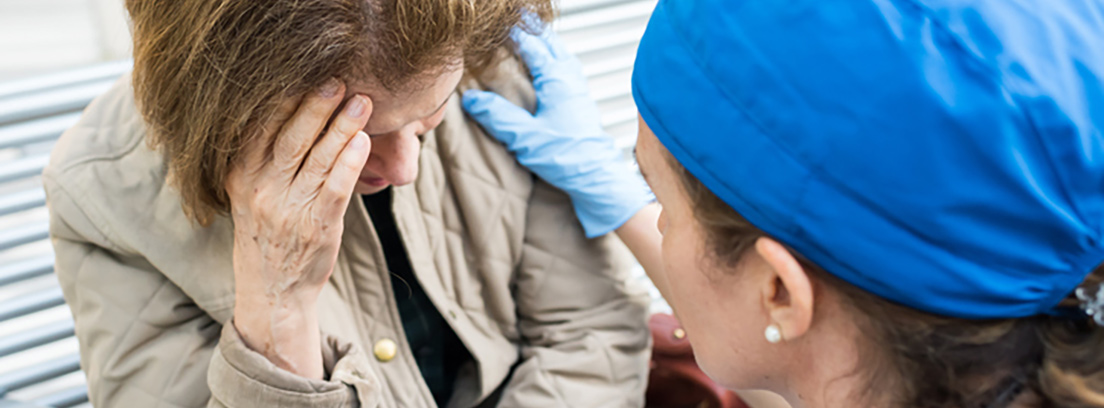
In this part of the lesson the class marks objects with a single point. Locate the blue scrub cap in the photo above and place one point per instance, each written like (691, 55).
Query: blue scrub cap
(943, 154)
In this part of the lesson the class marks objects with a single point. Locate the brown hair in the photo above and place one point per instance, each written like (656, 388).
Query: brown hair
(209, 73)
(930, 361)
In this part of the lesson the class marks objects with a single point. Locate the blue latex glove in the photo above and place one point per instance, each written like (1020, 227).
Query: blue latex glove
(563, 143)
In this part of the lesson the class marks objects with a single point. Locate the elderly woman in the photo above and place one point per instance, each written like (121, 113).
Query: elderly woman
(865, 203)
(285, 206)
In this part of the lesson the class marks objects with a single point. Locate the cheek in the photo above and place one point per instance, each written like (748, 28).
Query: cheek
(690, 296)
(717, 316)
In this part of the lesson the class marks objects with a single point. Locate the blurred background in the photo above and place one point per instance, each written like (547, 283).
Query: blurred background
(56, 55)
(41, 36)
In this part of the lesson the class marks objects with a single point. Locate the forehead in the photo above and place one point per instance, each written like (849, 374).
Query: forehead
(652, 157)
(647, 146)
(392, 110)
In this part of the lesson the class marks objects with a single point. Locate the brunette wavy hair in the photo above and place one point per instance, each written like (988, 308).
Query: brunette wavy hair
(927, 361)
(209, 73)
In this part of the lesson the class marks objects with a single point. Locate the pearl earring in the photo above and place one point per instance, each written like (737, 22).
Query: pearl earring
(773, 334)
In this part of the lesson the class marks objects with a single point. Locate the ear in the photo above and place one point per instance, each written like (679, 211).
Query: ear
(788, 296)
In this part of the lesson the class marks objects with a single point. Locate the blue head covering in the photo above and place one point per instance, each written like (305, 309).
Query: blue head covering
(943, 154)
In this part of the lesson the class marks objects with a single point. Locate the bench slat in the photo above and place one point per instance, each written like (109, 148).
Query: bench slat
(23, 168)
(65, 398)
(27, 269)
(35, 131)
(568, 8)
(31, 303)
(106, 71)
(604, 16)
(608, 66)
(21, 201)
(25, 234)
(39, 373)
(6, 403)
(53, 102)
(611, 41)
(26, 340)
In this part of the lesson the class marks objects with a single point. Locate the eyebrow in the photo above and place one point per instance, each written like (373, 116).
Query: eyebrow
(447, 98)
(443, 103)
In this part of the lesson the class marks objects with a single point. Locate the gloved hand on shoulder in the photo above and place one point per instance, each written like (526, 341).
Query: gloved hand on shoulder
(563, 142)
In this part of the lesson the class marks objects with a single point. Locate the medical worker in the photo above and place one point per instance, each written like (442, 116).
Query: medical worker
(868, 203)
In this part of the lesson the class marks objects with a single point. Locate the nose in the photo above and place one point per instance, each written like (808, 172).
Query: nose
(394, 156)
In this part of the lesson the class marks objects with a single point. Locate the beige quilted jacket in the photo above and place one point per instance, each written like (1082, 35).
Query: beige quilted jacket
(548, 316)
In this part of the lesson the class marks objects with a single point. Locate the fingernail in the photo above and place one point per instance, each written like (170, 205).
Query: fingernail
(359, 140)
(355, 107)
(329, 89)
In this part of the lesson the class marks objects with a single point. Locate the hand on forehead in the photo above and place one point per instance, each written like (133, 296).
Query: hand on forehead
(394, 109)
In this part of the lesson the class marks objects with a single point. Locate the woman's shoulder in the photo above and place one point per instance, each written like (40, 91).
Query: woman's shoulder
(108, 129)
(463, 149)
(105, 151)
(104, 176)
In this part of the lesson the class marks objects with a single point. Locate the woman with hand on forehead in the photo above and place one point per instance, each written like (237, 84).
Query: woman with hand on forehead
(284, 205)
(870, 203)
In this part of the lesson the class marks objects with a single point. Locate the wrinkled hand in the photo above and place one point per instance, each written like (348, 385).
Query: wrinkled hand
(563, 142)
(288, 195)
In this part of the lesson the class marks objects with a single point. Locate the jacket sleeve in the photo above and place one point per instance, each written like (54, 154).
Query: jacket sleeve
(583, 324)
(145, 343)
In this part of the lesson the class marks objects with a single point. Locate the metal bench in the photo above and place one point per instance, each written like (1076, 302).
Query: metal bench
(39, 362)
(39, 365)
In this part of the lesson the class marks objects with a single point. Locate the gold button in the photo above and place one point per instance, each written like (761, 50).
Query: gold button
(385, 350)
(679, 334)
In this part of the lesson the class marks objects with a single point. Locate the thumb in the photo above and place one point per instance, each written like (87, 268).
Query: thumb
(498, 116)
